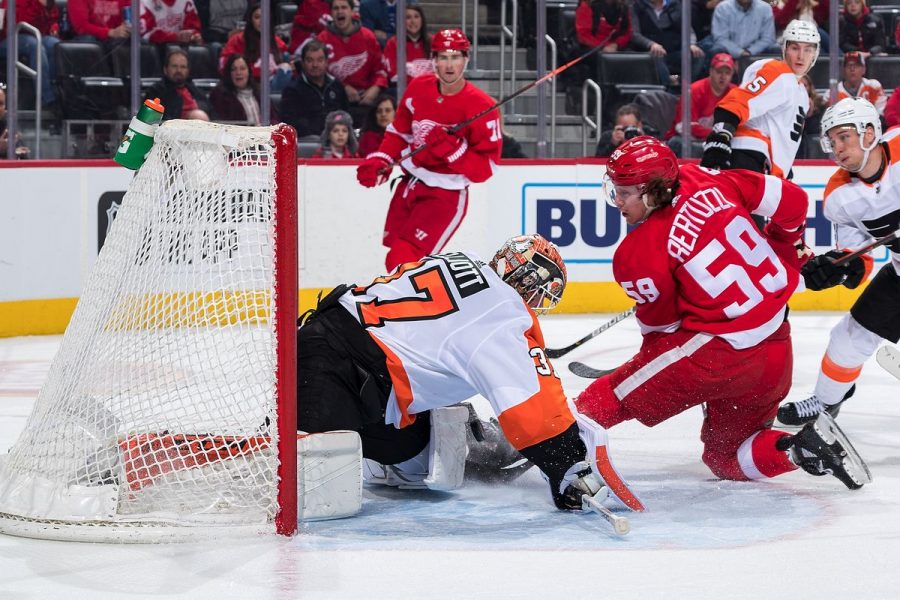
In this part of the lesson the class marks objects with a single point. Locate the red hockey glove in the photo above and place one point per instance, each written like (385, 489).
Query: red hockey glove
(374, 170)
(780, 237)
(445, 146)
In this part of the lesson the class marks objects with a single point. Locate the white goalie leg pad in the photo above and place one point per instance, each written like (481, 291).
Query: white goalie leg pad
(447, 448)
(329, 475)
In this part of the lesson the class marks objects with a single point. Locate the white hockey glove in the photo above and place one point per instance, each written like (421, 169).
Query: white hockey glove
(579, 480)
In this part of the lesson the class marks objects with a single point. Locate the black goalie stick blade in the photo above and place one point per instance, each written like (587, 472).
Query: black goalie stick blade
(583, 370)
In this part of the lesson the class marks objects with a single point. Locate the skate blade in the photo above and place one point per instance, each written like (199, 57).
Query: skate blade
(853, 463)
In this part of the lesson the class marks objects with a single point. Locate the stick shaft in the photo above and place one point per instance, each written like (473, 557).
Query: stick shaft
(868, 248)
(456, 128)
(558, 352)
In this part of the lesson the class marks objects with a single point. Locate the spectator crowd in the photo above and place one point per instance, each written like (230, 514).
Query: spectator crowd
(333, 63)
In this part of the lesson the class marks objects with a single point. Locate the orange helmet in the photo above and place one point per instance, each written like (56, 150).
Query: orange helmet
(450, 40)
(534, 268)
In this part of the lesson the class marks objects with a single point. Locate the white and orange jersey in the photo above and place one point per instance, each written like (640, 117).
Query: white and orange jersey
(869, 89)
(863, 211)
(450, 329)
(719, 275)
(771, 105)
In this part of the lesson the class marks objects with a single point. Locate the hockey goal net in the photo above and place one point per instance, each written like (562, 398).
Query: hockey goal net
(169, 409)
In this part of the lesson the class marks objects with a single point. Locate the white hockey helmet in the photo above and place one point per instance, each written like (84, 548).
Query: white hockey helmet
(804, 32)
(857, 112)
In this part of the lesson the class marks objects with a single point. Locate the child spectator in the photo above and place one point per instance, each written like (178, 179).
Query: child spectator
(312, 17)
(170, 22)
(99, 20)
(236, 97)
(861, 29)
(378, 118)
(247, 44)
(338, 137)
(418, 47)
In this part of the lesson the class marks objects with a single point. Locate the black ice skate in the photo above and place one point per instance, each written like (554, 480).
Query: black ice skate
(821, 448)
(803, 411)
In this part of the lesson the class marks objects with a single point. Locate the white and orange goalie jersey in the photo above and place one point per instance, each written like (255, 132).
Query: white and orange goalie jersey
(450, 329)
(771, 106)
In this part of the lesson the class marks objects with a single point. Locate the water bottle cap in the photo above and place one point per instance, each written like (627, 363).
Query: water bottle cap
(154, 104)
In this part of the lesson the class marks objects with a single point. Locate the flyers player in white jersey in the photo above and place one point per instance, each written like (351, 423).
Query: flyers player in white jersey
(384, 360)
(862, 199)
(758, 125)
(431, 199)
(712, 308)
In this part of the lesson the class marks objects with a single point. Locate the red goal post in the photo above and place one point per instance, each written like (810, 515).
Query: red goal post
(169, 411)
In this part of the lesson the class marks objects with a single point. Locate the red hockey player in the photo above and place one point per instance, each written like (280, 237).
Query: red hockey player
(392, 360)
(712, 308)
(431, 200)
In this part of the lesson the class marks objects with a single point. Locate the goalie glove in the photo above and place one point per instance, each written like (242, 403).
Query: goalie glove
(374, 170)
(821, 273)
(579, 480)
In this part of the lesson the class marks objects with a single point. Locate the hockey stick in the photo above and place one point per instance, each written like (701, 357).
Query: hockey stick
(558, 352)
(888, 357)
(587, 371)
(619, 524)
(456, 128)
(868, 248)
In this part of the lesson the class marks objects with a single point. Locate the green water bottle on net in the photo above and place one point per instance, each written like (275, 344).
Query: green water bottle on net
(138, 140)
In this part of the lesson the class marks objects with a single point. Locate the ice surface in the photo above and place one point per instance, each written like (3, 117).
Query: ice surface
(793, 537)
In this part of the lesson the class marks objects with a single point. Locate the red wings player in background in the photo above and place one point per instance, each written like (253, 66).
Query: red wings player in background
(711, 295)
(431, 199)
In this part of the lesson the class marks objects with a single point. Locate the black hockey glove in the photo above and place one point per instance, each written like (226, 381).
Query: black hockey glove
(717, 148)
(821, 273)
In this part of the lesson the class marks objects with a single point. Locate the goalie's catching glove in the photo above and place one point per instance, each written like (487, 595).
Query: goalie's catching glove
(579, 480)
(821, 273)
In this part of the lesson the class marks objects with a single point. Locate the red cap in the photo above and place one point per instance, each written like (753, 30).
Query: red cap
(722, 59)
(854, 58)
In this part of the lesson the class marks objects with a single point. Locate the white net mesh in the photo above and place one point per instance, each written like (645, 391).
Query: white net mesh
(160, 407)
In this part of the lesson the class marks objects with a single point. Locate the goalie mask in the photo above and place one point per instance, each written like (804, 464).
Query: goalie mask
(856, 113)
(534, 268)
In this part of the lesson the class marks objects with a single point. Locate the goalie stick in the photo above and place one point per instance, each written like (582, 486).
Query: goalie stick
(558, 352)
(889, 359)
(620, 524)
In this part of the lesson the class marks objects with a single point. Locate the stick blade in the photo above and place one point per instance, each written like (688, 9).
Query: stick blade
(889, 359)
(582, 370)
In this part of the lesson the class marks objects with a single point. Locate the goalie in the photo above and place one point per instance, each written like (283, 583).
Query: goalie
(391, 358)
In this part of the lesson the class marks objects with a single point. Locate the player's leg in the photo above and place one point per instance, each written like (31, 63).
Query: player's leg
(434, 216)
(874, 317)
(397, 215)
(738, 443)
(670, 373)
